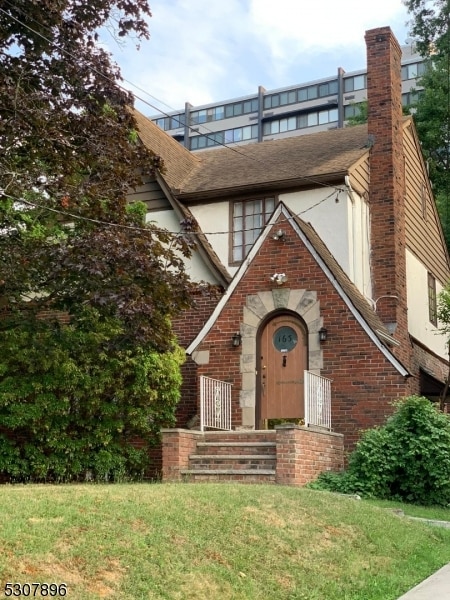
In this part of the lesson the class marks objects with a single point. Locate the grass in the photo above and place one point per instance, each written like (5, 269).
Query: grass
(437, 513)
(181, 542)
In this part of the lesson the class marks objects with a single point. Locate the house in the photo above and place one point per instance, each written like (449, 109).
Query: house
(327, 255)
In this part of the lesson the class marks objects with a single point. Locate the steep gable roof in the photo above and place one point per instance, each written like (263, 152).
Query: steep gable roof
(355, 301)
(179, 163)
(295, 161)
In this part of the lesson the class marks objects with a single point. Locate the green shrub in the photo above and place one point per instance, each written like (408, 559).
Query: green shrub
(73, 401)
(407, 459)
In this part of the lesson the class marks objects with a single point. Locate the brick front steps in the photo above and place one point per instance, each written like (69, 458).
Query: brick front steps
(238, 457)
(290, 455)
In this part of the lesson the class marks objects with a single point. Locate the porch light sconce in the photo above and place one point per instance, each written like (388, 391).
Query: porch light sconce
(279, 235)
(323, 334)
(236, 339)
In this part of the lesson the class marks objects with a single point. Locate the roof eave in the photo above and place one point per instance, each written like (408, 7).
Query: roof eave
(281, 185)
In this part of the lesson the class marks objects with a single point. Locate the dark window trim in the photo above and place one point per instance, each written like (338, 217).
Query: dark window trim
(264, 197)
(432, 300)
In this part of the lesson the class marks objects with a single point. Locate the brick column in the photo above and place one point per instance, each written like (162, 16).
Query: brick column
(305, 452)
(177, 446)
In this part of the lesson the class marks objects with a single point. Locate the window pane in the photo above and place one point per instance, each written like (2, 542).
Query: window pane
(201, 141)
(404, 73)
(274, 127)
(283, 125)
(302, 95)
(332, 115)
(292, 96)
(238, 238)
(412, 71)
(275, 101)
(194, 143)
(302, 121)
(219, 113)
(266, 128)
(323, 117)
(237, 209)
(348, 84)
(228, 111)
(312, 119)
(201, 116)
(237, 109)
(283, 98)
(421, 67)
(237, 134)
(228, 136)
(323, 90)
(247, 133)
(359, 82)
(248, 106)
(267, 102)
(333, 87)
(292, 123)
(312, 92)
(255, 105)
(270, 205)
(254, 131)
(237, 254)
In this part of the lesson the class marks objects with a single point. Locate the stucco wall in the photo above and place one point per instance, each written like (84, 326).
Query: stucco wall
(419, 325)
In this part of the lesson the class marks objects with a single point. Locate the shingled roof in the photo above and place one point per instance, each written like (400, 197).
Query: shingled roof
(277, 164)
(179, 163)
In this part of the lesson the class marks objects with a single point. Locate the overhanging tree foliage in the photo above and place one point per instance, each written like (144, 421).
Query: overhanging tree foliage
(75, 391)
(431, 32)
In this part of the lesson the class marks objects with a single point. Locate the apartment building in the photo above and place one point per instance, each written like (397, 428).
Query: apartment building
(290, 111)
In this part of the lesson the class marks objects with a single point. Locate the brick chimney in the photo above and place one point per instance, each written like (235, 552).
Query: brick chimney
(387, 181)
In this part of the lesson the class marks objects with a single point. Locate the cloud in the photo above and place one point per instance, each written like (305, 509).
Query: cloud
(202, 51)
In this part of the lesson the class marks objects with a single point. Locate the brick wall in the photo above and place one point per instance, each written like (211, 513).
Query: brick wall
(304, 453)
(186, 328)
(364, 381)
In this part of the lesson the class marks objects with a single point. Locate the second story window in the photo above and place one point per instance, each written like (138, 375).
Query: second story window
(248, 219)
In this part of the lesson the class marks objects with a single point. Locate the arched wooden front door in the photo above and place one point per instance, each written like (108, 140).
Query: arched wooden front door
(283, 357)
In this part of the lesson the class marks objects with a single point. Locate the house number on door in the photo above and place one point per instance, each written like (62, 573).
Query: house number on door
(285, 339)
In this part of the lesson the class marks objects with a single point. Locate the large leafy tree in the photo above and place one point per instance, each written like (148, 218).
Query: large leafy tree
(430, 29)
(87, 288)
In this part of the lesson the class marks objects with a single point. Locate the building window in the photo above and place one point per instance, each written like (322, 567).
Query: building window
(229, 136)
(351, 84)
(248, 219)
(432, 300)
(411, 98)
(311, 119)
(413, 71)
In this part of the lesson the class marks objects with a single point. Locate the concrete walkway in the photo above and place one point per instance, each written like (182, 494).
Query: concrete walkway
(436, 587)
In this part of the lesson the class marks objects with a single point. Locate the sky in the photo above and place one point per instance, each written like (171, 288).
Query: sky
(203, 51)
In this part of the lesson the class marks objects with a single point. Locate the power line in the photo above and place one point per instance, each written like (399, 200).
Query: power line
(159, 230)
(114, 82)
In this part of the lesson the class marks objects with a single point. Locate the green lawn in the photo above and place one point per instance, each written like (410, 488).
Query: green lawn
(211, 542)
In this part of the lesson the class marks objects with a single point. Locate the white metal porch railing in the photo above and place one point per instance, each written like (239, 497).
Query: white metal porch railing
(317, 400)
(215, 404)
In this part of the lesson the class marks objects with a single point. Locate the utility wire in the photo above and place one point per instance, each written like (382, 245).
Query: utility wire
(66, 214)
(114, 82)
